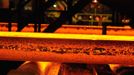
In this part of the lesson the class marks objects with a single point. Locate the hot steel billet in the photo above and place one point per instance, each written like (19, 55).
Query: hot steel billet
(68, 48)
(75, 29)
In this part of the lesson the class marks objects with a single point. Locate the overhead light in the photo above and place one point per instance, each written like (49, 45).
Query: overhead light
(95, 1)
(55, 5)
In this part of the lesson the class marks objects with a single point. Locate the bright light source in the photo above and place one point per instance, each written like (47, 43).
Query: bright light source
(55, 5)
(95, 1)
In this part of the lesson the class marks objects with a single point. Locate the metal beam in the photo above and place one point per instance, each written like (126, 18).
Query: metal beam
(67, 15)
(39, 7)
(69, 48)
(22, 22)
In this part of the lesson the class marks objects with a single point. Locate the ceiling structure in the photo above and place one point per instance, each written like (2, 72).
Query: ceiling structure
(123, 6)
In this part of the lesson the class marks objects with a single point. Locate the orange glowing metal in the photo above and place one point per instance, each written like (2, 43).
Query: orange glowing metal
(76, 48)
(75, 29)
(67, 36)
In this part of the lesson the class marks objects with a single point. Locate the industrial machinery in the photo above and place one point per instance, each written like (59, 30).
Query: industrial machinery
(66, 37)
(66, 48)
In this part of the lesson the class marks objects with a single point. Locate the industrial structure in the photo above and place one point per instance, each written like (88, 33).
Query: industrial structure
(71, 37)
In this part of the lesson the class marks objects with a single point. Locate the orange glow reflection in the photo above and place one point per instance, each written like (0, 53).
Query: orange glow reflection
(38, 68)
(48, 68)
(5, 3)
(43, 67)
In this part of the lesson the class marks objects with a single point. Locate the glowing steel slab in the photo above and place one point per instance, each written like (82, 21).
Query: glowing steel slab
(75, 29)
(77, 48)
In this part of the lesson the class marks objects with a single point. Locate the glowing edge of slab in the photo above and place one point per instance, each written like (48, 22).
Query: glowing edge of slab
(66, 36)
